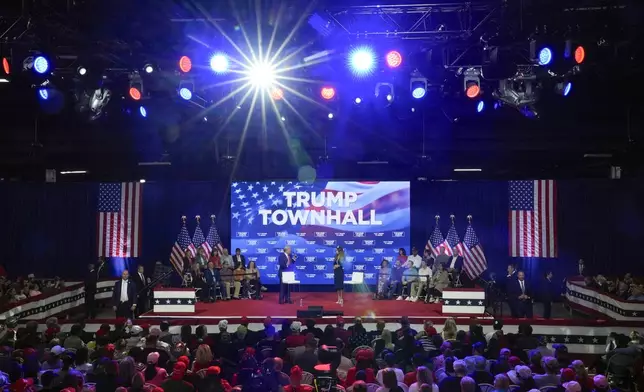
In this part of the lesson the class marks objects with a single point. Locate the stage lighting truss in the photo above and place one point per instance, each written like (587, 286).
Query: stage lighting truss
(518, 92)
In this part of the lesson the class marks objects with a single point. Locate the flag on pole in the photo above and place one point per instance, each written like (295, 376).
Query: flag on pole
(212, 239)
(435, 240)
(474, 262)
(180, 245)
(532, 218)
(119, 219)
(452, 243)
(198, 239)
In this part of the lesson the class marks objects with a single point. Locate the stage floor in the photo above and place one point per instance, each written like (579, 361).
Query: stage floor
(355, 304)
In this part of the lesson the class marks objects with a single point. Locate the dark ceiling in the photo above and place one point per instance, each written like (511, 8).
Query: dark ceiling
(603, 116)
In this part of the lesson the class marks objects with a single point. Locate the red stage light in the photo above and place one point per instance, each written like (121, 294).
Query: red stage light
(394, 59)
(5, 66)
(327, 93)
(473, 91)
(277, 93)
(185, 64)
(580, 54)
(135, 94)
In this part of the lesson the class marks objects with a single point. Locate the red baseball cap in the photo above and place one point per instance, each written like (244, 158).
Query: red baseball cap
(340, 320)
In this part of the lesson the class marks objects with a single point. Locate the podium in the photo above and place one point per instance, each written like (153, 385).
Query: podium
(174, 300)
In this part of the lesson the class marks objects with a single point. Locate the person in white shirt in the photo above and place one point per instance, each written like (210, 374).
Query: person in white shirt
(424, 277)
(415, 259)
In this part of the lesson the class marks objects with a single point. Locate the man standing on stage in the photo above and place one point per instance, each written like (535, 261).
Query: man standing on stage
(443, 257)
(141, 281)
(124, 296)
(227, 258)
(90, 292)
(520, 294)
(285, 263)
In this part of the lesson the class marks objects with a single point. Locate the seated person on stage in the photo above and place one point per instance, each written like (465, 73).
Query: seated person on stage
(410, 275)
(417, 287)
(226, 275)
(384, 277)
(239, 278)
(215, 259)
(440, 280)
(212, 278)
(396, 279)
(252, 278)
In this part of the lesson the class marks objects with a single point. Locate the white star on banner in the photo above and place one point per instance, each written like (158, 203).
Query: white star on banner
(255, 195)
(281, 188)
(238, 190)
(245, 204)
(190, 302)
(458, 302)
(553, 339)
(157, 302)
(234, 185)
(480, 303)
(595, 340)
(447, 302)
(178, 301)
(469, 302)
(265, 188)
(167, 301)
(566, 339)
(580, 340)
(272, 182)
(250, 187)
(235, 215)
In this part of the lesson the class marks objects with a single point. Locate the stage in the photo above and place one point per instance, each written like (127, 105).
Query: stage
(355, 304)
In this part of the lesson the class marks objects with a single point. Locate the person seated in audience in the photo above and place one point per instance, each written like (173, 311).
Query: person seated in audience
(522, 376)
(296, 382)
(384, 279)
(439, 282)
(453, 383)
(389, 381)
(309, 357)
(410, 275)
(390, 361)
(238, 276)
(480, 374)
(468, 385)
(501, 383)
(312, 329)
(422, 282)
(364, 361)
(637, 293)
(295, 339)
(227, 279)
(600, 383)
(423, 376)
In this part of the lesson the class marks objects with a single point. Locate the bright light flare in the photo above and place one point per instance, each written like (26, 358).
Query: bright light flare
(5, 66)
(277, 93)
(567, 89)
(580, 54)
(219, 63)
(480, 107)
(394, 59)
(43, 94)
(362, 61)
(41, 65)
(327, 93)
(262, 75)
(473, 91)
(185, 64)
(135, 94)
(418, 92)
(545, 56)
(143, 112)
(185, 93)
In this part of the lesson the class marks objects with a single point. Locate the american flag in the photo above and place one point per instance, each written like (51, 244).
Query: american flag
(435, 241)
(212, 239)
(198, 239)
(452, 243)
(119, 219)
(474, 262)
(532, 218)
(181, 244)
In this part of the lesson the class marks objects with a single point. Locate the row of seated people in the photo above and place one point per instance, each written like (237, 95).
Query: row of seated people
(405, 281)
(229, 282)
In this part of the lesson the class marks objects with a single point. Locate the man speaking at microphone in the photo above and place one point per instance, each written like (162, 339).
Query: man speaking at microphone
(286, 261)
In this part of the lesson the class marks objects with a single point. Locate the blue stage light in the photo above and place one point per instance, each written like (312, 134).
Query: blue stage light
(219, 63)
(43, 94)
(362, 61)
(41, 65)
(545, 56)
(480, 107)
(185, 93)
(144, 113)
(358, 100)
(418, 92)
(567, 89)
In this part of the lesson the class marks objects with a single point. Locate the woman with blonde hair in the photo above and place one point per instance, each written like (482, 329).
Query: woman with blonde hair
(203, 358)
(338, 274)
(449, 329)
(423, 377)
(384, 342)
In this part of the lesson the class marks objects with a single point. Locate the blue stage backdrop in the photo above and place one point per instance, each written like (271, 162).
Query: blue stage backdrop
(50, 229)
(370, 220)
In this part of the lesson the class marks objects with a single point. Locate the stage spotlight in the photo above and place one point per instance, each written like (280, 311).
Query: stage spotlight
(580, 54)
(143, 112)
(185, 93)
(417, 85)
(358, 101)
(82, 71)
(262, 75)
(135, 94)
(472, 82)
(480, 107)
(330, 116)
(283, 118)
(393, 59)
(136, 86)
(6, 67)
(563, 88)
(41, 65)
(219, 63)
(545, 56)
(185, 64)
(98, 102)
(43, 94)
(277, 93)
(362, 61)
(385, 90)
(327, 93)
(148, 68)
(418, 92)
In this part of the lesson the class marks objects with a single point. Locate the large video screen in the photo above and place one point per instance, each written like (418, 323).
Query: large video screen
(370, 220)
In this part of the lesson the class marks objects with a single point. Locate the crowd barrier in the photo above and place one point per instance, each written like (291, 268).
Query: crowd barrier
(43, 306)
(594, 301)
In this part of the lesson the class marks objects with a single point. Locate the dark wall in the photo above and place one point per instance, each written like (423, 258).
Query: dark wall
(50, 229)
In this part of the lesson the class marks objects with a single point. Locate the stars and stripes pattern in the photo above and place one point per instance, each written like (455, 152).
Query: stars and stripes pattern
(452, 243)
(198, 239)
(532, 218)
(119, 219)
(178, 250)
(435, 241)
(213, 241)
(474, 262)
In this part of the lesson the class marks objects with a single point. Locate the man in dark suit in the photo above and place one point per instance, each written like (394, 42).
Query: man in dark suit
(90, 292)
(124, 296)
(520, 294)
(285, 264)
(212, 276)
(505, 285)
(141, 281)
(548, 294)
(101, 269)
(239, 259)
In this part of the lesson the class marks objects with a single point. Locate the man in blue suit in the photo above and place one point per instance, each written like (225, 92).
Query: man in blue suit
(520, 295)
(285, 264)
(212, 277)
(124, 296)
